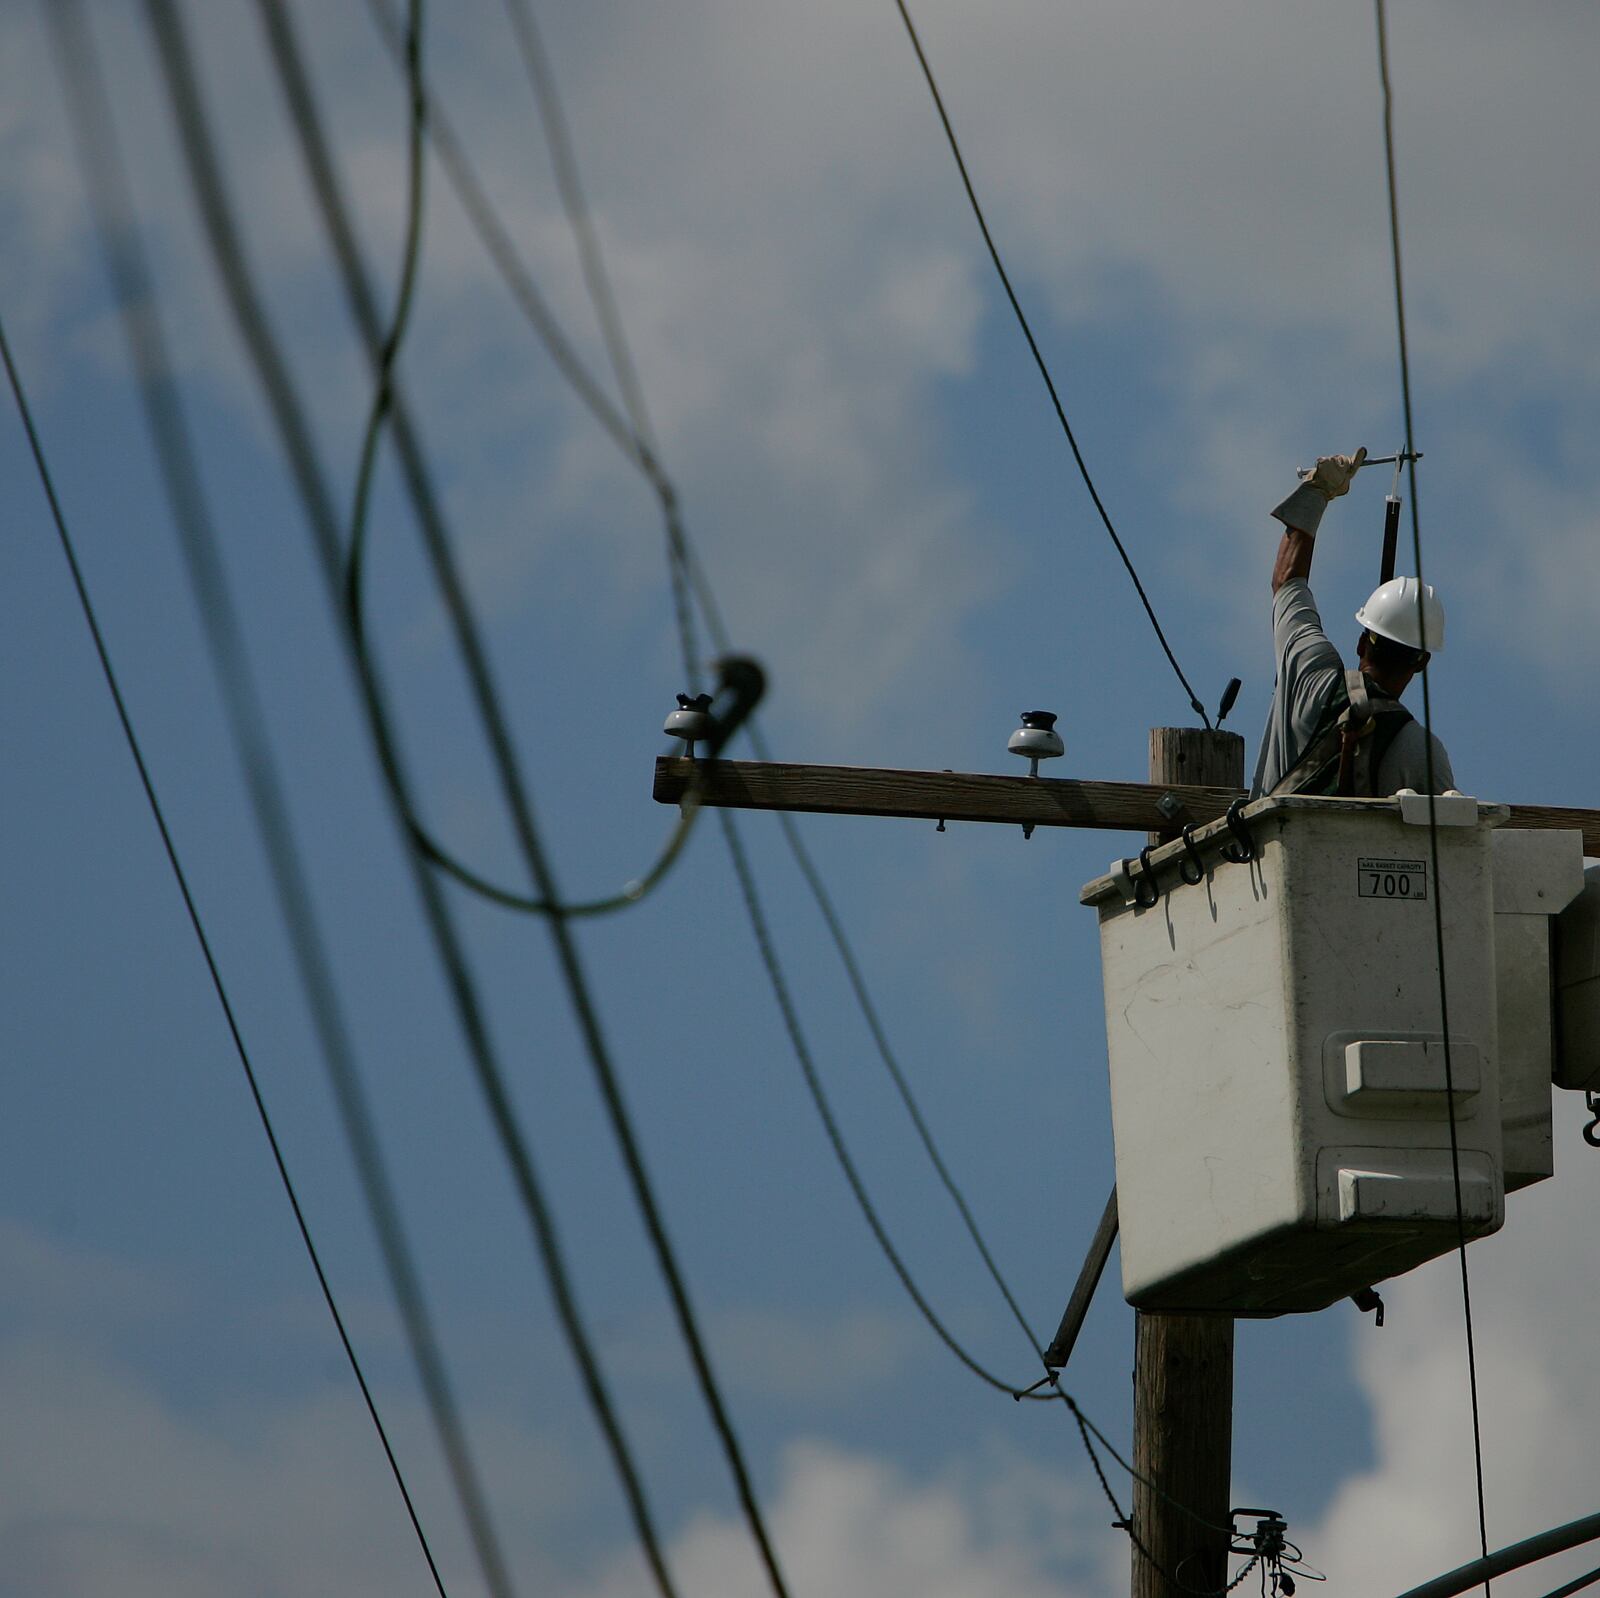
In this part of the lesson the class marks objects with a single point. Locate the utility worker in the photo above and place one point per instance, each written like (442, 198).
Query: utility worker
(1330, 730)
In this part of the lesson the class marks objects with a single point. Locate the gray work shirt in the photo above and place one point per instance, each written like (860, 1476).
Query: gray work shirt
(1310, 680)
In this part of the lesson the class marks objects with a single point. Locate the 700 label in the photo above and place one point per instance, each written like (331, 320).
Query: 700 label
(1392, 879)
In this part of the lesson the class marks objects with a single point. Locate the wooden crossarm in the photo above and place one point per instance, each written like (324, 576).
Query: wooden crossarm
(934, 795)
(970, 796)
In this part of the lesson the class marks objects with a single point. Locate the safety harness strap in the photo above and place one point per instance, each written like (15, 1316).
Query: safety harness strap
(1345, 755)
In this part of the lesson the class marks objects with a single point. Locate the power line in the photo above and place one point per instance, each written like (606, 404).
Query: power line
(1543, 1545)
(830, 1123)
(389, 347)
(541, 77)
(1039, 361)
(543, 83)
(1427, 723)
(542, 80)
(310, 481)
(191, 909)
(421, 108)
(285, 54)
(630, 433)
(133, 286)
(687, 578)
(684, 570)
(685, 566)
(436, 538)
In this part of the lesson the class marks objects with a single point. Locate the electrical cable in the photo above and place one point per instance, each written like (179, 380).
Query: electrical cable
(681, 557)
(629, 433)
(558, 139)
(880, 1039)
(383, 398)
(1039, 361)
(1427, 723)
(1124, 1522)
(686, 570)
(682, 560)
(191, 909)
(133, 285)
(310, 480)
(287, 60)
(632, 433)
(641, 451)
(830, 1123)
(389, 349)
(1577, 1585)
(419, 487)
(768, 953)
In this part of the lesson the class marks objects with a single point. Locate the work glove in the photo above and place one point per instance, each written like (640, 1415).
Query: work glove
(1329, 478)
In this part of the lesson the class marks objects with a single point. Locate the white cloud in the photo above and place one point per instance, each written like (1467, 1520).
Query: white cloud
(802, 281)
(216, 1479)
(1533, 586)
(855, 1527)
(111, 1485)
(1414, 1514)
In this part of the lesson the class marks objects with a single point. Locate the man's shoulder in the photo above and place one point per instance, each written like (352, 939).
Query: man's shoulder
(1407, 763)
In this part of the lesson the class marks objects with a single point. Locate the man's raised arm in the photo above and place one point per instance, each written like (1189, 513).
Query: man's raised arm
(1301, 514)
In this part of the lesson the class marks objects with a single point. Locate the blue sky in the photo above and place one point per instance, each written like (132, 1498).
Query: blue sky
(1191, 204)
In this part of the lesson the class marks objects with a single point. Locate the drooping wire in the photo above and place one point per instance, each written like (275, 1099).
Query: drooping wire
(689, 577)
(192, 910)
(627, 435)
(1039, 361)
(542, 80)
(1427, 723)
(311, 483)
(685, 566)
(382, 401)
(880, 1039)
(686, 571)
(133, 286)
(419, 487)
(779, 983)
(632, 432)
(1087, 1432)
(830, 1123)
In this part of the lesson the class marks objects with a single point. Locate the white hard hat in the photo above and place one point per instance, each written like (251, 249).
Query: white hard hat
(1391, 612)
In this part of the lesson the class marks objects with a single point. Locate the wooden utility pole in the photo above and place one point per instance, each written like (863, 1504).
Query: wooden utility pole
(1183, 1364)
